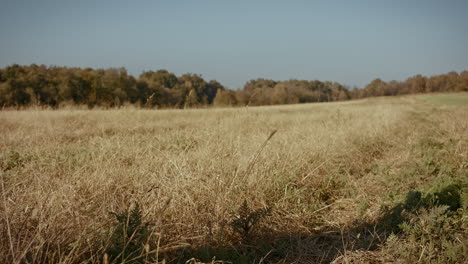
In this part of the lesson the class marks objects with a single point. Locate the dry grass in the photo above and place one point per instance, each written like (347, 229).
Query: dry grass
(327, 167)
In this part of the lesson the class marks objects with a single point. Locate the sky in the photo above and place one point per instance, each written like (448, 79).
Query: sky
(351, 42)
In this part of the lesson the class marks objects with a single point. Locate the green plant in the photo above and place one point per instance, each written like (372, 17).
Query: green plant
(433, 235)
(449, 195)
(15, 160)
(128, 236)
(429, 225)
(246, 220)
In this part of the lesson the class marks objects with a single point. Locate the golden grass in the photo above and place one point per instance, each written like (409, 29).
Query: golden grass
(190, 170)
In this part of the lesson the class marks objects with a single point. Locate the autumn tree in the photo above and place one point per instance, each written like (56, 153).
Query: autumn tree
(55, 86)
(225, 98)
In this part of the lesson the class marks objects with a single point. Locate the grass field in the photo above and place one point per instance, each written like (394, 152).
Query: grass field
(455, 99)
(371, 181)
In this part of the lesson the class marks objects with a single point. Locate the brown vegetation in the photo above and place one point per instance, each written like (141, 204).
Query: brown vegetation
(144, 186)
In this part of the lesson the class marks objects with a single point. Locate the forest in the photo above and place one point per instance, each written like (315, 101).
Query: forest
(54, 86)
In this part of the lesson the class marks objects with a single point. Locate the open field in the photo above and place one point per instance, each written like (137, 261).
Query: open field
(311, 183)
(455, 99)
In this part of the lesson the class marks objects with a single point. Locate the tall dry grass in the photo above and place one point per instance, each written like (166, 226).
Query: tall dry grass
(190, 170)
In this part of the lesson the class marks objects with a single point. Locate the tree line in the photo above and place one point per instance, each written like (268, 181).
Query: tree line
(57, 86)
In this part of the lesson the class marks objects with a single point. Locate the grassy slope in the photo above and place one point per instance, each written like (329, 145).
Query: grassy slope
(326, 174)
(455, 99)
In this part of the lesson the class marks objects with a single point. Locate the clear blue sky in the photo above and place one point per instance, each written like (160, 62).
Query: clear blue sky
(351, 42)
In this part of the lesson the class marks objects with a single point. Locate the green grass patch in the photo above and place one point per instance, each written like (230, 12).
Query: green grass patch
(454, 99)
